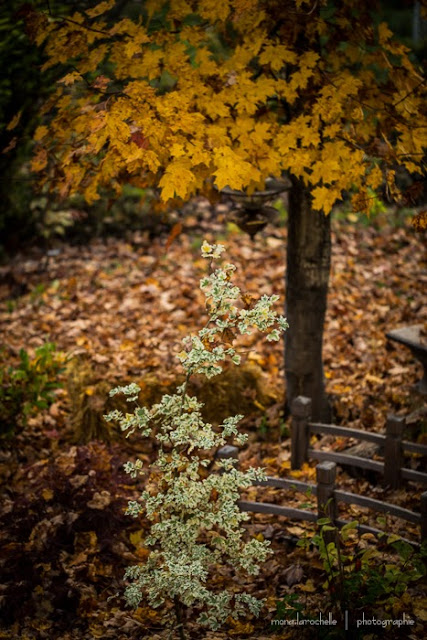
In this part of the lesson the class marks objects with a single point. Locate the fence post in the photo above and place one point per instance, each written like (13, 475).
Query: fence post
(228, 451)
(325, 474)
(326, 504)
(301, 413)
(424, 516)
(393, 452)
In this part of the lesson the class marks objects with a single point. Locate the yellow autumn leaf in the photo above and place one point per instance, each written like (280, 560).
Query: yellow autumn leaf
(40, 133)
(240, 628)
(125, 345)
(97, 630)
(309, 59)
(276, 55)
(136, 538)
(213, 10)
(352, 217)
(91, 192)
(177, 180)
(270, 461)
(384, 33)
(375, 178)
(324, 198)
(47, 494)
(100, 8)
(232, 170)
(308, 587)
(14, 122)
(70, 78)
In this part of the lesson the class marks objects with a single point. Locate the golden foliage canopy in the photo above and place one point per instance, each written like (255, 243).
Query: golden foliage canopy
(197, 94)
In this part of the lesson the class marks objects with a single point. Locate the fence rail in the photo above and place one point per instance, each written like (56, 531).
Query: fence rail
(378, 505)
(334, 430)
(345, 458)
(275, 509)
(359, 434)
(328, 498)
(285, 483)
(391, 442)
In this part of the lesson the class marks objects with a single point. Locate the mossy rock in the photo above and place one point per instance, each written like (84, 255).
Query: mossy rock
(87, 397)
(236, 390)
(90, 400)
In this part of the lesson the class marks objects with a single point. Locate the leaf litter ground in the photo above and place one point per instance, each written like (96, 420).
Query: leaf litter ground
(121, 308)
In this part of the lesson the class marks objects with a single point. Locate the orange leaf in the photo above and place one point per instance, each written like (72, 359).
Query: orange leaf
(139, 139)
(14, 122)
(175, 231)
(11, 145)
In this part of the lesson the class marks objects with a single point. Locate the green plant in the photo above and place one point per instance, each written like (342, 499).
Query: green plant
(195, 519)
(28, 387)
(284, 430)
(361, 578)
(282, 211)
(263, 427)
(290, 607)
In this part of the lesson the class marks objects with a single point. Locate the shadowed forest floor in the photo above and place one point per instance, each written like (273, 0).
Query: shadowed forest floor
(120, 308)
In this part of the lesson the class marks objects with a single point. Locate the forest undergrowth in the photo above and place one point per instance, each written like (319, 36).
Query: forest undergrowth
(118, 309)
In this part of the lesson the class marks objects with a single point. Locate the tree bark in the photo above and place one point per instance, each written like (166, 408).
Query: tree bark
(307, 276)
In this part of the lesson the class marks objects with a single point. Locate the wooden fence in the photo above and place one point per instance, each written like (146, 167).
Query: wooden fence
(327, 495)
(392, 443)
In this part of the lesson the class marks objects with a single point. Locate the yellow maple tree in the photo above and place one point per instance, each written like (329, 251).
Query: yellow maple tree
(193, 95)
(228, 91)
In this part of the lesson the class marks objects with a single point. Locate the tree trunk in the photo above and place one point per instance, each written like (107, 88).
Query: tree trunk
(307, 275)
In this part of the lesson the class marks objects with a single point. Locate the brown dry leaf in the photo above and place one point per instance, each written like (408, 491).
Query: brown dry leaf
(66, 461)
(78, 481)
(295, 530)
(420, 609)
(77, 559)
(398, 370)
(12, 144)
(375, 379)
(293, 574)
(100, 500)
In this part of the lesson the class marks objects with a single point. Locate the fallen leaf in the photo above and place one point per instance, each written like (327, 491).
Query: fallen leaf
(293, 574)
(47, 494)
(100, 500)
(308, 587)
